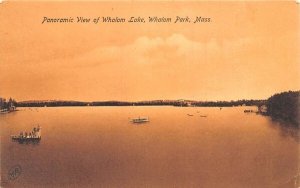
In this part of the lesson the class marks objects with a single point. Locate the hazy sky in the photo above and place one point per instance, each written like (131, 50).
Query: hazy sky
(249, 50)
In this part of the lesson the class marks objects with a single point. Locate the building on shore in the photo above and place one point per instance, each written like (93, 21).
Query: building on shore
(7, 106)
(262, 109)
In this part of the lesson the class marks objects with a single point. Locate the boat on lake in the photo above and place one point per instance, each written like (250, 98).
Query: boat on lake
(4, 111)
(140, 120)
(7, 110)
(34, 135)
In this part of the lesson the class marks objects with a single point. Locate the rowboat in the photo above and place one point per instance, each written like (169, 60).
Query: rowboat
(140, 120)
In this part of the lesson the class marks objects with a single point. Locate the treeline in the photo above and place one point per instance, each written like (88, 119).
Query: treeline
(182, 103)
(96, 103)
(110, 103)
(50, 103)
(284, 106)
(231, 103)
(140, 103)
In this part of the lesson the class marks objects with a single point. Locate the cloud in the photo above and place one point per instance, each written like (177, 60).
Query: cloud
(174, 49)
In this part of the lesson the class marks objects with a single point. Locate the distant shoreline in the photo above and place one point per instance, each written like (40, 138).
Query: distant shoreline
(283, 105)
(178, 103)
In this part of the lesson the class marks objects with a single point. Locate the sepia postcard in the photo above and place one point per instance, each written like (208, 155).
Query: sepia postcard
(150, 94)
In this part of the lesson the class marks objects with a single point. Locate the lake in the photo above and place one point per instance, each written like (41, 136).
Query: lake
(100, 147)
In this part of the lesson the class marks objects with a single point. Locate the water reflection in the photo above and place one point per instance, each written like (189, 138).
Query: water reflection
(27, 142)
(287, 129)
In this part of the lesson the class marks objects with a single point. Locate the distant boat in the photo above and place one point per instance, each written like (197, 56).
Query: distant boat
(8, 110)
(190, 114)
(248, 111)
(35, 135)
(140, 120)
(4, 111)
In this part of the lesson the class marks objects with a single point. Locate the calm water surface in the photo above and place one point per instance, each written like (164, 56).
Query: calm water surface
(100, 147)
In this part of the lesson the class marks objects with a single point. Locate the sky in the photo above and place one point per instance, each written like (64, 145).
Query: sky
(249, 50)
